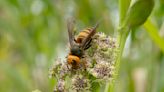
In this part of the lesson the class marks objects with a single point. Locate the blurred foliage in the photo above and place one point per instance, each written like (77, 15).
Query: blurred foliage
(33, 33)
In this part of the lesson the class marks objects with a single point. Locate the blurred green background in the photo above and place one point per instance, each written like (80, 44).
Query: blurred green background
(33, 33)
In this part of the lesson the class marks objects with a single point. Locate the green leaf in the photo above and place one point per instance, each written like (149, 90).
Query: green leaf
(138, 13)
(153, 32)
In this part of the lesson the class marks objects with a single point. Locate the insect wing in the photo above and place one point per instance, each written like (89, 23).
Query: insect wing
(70, 26)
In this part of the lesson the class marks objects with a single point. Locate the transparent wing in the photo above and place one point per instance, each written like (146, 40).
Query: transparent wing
(70, 26)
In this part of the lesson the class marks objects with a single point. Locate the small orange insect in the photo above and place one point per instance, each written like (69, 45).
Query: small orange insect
(79, 45)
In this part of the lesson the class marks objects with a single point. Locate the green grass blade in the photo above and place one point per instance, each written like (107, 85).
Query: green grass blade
(153, 32)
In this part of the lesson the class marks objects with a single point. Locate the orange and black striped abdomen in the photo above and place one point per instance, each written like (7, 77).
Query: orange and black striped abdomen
(82, 35)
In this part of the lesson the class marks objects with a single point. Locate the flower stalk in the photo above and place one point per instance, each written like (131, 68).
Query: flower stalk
(130, 17)
(121, 38)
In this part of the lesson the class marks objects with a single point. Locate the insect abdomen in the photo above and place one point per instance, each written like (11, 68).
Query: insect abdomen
(82, 35)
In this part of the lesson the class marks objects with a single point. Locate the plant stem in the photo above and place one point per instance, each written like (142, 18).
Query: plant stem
(122, 36)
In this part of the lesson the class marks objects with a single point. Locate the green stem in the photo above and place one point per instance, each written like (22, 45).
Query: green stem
(122, 36)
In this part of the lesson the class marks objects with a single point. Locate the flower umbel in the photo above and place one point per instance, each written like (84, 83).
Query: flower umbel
(80, 83)
(103, 70)
(60, 86)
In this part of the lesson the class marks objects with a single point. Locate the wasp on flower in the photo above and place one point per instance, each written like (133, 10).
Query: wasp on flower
(92, 57)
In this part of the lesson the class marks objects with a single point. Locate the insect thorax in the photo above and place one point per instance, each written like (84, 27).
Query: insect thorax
(77, 51)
